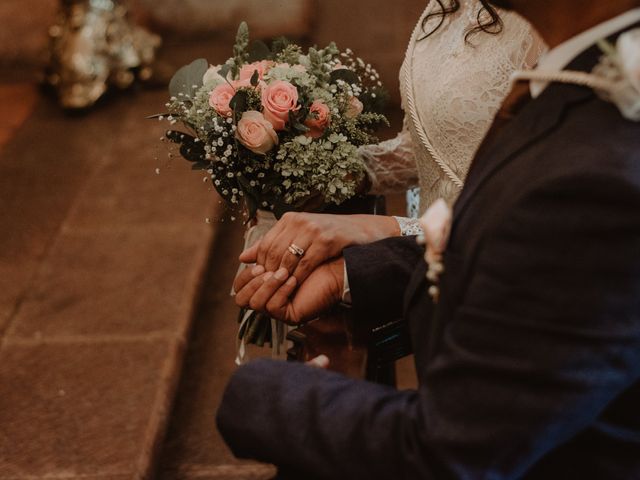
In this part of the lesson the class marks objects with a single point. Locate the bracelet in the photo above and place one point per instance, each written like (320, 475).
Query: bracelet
(409, 226)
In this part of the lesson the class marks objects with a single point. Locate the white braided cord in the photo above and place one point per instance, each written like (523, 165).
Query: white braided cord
(566, 76)
(414, 114)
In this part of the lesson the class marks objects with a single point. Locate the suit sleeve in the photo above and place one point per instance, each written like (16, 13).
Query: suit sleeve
(378, 275)
(547, 337)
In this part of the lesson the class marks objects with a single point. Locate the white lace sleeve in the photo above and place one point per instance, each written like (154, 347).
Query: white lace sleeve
(391, 164)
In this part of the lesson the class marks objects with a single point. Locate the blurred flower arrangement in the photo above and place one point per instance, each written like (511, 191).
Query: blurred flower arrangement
(95, 46)
(275, 128)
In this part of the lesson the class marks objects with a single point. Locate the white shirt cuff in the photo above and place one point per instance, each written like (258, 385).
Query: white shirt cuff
(346, 291)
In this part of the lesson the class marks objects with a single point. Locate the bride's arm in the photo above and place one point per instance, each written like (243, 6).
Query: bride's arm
(391, 168)
(391, 165)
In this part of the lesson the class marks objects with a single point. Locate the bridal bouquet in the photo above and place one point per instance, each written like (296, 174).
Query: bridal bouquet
(276, 128)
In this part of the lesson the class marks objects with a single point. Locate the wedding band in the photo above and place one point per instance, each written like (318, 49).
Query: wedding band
(296, 250)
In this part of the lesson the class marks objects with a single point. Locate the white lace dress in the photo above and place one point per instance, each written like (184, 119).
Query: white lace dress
(451, 90)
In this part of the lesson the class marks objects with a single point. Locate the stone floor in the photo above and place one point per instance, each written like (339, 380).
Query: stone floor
(113, 298)
(101, 262)
(193, 448)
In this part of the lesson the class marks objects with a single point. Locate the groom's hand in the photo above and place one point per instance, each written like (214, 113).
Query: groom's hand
(273, 292)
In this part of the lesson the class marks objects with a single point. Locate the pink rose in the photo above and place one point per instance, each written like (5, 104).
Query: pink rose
(238, 84)
(220, 97)
(318, 120)
(278, 99)
(354, 108)
(247, 71)
(256, 133)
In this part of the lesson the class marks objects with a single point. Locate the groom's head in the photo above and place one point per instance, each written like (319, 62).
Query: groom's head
(578, 6)
(505, 4)
(559, 20)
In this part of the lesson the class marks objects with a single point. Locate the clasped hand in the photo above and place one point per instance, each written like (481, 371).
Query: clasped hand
(295, 288)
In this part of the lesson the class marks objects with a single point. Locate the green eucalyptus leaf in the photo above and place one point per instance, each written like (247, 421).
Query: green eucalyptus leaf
(279, 44)
(239, 102)
(190, 148)
(224, 71)
(345, 75)
(177, 136)
(296, 124)
(258, 51)
(264, 333)
(188, 79)
(193, 151)
(199, 165)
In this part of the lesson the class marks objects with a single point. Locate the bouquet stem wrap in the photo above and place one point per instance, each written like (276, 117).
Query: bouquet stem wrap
(251, 321)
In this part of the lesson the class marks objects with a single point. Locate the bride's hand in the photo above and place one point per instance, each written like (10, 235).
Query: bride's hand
(318, 238)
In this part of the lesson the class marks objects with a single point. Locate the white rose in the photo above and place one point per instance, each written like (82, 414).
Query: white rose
(212, 78)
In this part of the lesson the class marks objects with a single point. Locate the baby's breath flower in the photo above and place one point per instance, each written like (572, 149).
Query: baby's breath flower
(300, 165)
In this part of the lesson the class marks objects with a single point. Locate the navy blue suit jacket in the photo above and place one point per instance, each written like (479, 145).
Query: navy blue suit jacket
(529, 365)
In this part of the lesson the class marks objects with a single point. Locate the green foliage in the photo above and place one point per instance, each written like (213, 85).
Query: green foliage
(239, 102)
(188, 79)
(191, 148)
(295, 121)
(240, 52)
(331, 167)
(375, 99)
(225, 70)
(300, 172)
(344, 74)
(255, 79)
(286, 53)
(258, 51)
(279, 45)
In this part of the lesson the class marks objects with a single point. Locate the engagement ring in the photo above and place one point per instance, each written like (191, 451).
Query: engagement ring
(296, 250)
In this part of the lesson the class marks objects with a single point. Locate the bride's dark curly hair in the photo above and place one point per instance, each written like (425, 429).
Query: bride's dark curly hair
(492, 24)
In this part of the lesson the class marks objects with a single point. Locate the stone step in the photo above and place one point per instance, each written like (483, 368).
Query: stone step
(193, 447)
(101, 264)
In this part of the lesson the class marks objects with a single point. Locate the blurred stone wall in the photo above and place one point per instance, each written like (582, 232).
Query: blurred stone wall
(377, 30)
(267, 18)
(23, 35)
